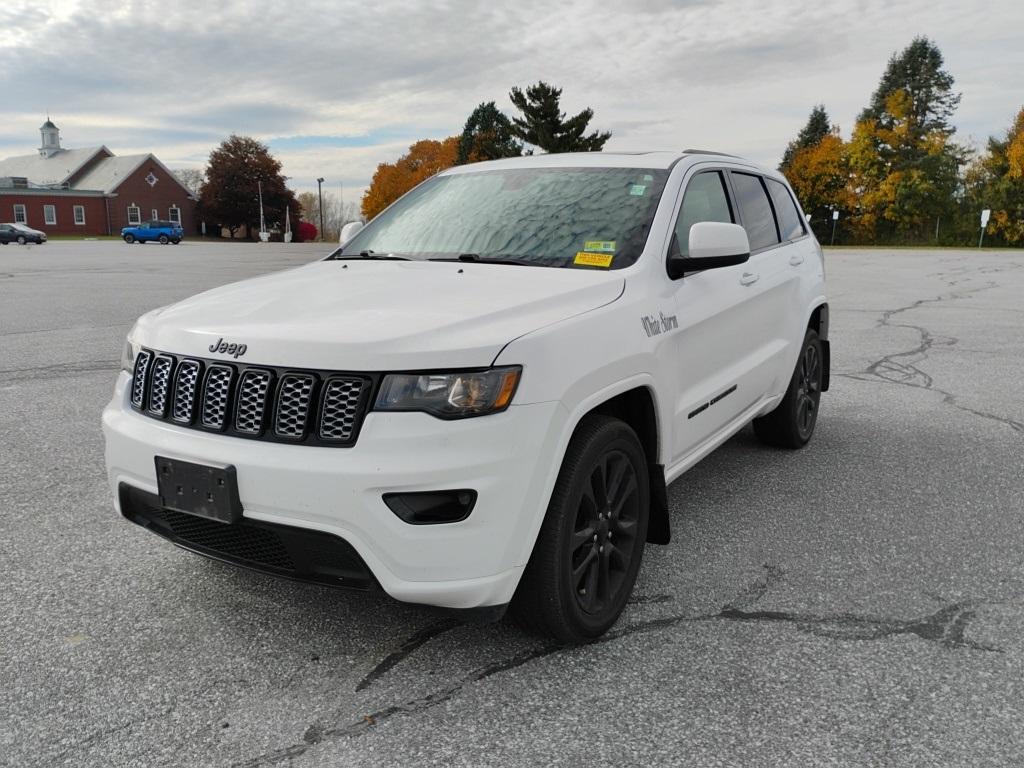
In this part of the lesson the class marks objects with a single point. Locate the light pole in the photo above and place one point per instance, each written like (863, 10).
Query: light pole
(320, 191)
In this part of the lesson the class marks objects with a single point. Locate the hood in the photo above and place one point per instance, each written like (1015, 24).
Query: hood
(377, 315)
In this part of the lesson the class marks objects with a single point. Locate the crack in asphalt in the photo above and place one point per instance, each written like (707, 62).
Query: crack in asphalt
(946, 627)
(901, 368)
(58, 370)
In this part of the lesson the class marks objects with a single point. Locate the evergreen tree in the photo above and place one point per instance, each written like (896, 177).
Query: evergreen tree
(487, 136)
(544, 125)
(918, 71)
(817, 128)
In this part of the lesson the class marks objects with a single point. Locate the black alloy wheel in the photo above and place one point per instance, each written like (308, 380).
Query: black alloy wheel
(792, 423)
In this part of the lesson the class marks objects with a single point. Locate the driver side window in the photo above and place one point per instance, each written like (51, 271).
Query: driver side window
(705, 200)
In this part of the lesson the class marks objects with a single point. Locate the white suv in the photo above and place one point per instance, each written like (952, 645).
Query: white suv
(478, 400)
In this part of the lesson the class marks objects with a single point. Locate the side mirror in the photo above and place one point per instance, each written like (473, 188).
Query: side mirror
(713, 245)
(349, 231)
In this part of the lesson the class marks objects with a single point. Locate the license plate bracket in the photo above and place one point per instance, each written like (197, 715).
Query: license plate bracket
(198, 489)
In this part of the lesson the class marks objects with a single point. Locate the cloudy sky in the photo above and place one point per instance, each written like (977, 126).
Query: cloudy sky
(336, 87)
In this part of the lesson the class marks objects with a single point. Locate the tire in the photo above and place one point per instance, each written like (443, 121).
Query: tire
(163, 240)
(176, 240)
(21, 239)
(791, 424)
(129, 238)
(587, 555)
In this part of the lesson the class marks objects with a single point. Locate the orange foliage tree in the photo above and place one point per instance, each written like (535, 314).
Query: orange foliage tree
(820, 175)
(392, 180)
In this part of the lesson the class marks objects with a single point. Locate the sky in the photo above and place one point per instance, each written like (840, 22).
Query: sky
(336, 87)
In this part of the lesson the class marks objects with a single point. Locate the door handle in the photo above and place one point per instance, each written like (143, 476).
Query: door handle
(796, 259)
(749, 278)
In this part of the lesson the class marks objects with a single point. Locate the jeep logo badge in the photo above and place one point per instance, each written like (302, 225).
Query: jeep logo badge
(233, 349)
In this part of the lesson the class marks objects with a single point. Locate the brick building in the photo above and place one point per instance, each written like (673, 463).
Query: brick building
(89, 191)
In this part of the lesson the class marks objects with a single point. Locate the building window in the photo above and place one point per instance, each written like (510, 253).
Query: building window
(134, 215)
(155, 214)
(50, 214)
(174, 214)
(79, 214)
(19, 214)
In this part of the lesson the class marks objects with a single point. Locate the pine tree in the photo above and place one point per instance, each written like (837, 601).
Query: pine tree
(817, 128)
(487, 136)
(544, 125)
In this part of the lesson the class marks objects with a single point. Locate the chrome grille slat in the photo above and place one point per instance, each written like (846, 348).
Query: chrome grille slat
(252, 401)
(185, 381)
(140, 378)
(293, 400)
(159, 386)
(216, 396)
(340, 411)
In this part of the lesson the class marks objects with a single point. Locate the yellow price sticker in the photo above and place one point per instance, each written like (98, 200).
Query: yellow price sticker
(585, 259)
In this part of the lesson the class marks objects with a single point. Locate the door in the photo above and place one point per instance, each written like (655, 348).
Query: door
(717, 351)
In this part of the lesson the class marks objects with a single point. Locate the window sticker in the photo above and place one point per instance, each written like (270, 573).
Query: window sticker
(584, 259)
(648, 177)
(637, 190)
(599, 246)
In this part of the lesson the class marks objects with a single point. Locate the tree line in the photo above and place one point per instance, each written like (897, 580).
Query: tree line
(901, 177)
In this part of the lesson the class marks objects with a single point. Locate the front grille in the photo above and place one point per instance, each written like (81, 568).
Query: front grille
(256, 402)
(284, 550)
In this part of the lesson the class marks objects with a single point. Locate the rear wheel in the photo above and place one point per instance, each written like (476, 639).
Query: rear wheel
(791, 424)
(587, 555)
(129, 238)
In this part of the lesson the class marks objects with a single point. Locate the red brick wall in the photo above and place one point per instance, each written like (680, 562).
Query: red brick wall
(161, 196)
(95, 213)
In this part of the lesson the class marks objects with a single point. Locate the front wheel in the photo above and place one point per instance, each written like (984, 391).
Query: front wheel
(587, 555)
(21, 239)
(129, 239)
(791, 424)
(164, 240)
(176, 240)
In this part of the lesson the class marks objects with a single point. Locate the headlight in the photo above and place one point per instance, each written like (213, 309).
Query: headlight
(450, 395)
(128, 354)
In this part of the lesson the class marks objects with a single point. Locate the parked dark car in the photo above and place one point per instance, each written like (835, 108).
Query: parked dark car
(162, 231)
(19, 233)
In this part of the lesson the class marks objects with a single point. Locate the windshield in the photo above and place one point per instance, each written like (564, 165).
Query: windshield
(551, 217)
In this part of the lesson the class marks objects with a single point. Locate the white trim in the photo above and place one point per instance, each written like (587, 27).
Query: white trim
(24, 214)
(79, 220)
(138, 215)
(155, 216)
(50, 214)
(174, 214)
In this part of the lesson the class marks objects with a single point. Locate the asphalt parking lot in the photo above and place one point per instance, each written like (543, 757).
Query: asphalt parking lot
(860, 602)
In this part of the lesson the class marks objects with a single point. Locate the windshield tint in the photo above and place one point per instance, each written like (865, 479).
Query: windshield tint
(552, 217)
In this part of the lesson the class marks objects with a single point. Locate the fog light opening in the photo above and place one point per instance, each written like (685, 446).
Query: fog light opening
(432, 507)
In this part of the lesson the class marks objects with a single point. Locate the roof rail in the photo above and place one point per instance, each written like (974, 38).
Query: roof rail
(708, 152)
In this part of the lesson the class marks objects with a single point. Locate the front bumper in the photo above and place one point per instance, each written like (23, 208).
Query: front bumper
(505, 458)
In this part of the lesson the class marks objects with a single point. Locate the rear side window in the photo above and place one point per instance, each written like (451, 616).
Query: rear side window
(790, 224)
(756, 210)
(705, 200)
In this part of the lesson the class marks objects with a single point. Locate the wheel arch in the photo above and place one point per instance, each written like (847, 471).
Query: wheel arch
(818, 322)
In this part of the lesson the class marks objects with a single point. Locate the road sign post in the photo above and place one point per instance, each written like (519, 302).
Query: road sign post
(835, 218)
(985, 216)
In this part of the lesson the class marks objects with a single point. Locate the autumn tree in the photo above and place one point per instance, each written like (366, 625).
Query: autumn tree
(230, 194)
(487, 136)
(191, 178)
(543, 124)
(996, 181)
(903, 161)
(820, 176)
(392, 180)
(817, 128)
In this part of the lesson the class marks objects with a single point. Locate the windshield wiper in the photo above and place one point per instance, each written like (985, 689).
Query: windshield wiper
(475, 258)
(372, 255)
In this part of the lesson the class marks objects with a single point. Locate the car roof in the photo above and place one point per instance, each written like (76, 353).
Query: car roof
(663, 160)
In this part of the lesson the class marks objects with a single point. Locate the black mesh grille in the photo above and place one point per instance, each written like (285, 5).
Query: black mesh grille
(293, 399)
(252, 401)
(140, 378)
(185, 381)
(243, 542)
(160, 384)
(257, 402)
(341, 409)
(216, 395)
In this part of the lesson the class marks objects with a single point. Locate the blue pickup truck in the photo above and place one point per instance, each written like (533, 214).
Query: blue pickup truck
(162, 231)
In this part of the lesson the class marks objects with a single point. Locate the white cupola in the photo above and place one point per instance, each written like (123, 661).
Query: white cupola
(51, 139)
